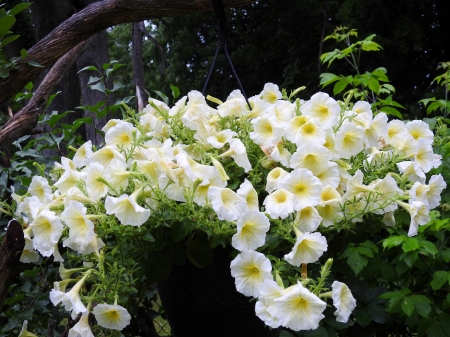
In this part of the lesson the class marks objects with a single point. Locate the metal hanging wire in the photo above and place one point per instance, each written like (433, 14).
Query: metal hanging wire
(222, 44)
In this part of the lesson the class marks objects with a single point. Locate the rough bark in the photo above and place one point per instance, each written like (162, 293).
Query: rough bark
(25, 120)
(91, 20)
(10, 251)
(95, 55)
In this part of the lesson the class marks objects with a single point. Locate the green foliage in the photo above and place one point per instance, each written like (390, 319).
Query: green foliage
(371, 86)
(441, 105)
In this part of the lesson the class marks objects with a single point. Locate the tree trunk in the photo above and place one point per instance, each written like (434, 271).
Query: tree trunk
(10, 251)
(138, 65)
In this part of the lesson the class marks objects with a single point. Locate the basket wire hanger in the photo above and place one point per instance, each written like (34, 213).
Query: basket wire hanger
(222, 44)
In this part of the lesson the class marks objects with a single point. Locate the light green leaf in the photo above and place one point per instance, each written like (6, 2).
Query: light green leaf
(429, 247)
(391, 111)
(175, 91)
(327, 78)
(23, 53)
(393, 241)
(163, 96)
(339, 86)
(410, 244)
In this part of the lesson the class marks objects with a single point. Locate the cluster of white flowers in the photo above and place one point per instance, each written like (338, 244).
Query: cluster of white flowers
(318, 155)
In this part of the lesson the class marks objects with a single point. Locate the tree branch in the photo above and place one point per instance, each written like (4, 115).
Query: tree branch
(25, 120)
(91, 20)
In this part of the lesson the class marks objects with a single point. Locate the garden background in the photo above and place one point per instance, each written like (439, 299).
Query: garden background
(401, 284)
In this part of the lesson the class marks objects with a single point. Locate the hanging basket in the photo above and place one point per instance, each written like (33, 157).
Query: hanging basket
(203, 302)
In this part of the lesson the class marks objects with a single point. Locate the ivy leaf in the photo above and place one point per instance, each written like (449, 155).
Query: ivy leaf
(355, 260)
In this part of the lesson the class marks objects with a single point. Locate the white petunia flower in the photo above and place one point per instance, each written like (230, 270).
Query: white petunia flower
(219, 139)
(308, 248)
(266, 307)
(235, 105)
(429, 194)
(280, 154)
(121, 135)
(249, 270)
(227, 204)
(252, 227)
(293, 130)
(274, 178)
(331, 176)
(47, 229)
(247, 192)
(419, 215)
(126, 209)
(238, 152)
(111, 316)
(420, 130)
(304, 185)
(349, 140)
(343, 300)
(323, 109)
(267, 131)
(81, 229)
(299, 309)
(40, 188)
(271, 93)
(71, 300)
(82, 328)
(307, 219)
(81, 157)
(279, 204)
(312, 157)
(96, 177)
(105, 156)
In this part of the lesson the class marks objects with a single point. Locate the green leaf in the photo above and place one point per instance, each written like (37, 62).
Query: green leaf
(163, 96)
(100, 86)
(380, 74)
(23, 53)
(445, 253)
(429, 247)
(374, 85)
(393, 241)
(355, 260)
(440, 277)
(35, 64)
(407, 305)
(327, 78)
(29, 86)
(8, 39)
(410, 244)
(394, 297)
(421, 304)
(4, 73)
(441, 328)
(19, 8)
(175, 91)
(6, 23)
(51, 98)
(339, 86)
(88, 68)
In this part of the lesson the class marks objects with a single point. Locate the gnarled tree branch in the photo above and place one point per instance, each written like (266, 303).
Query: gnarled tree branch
(91, 20)
(25, 120)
